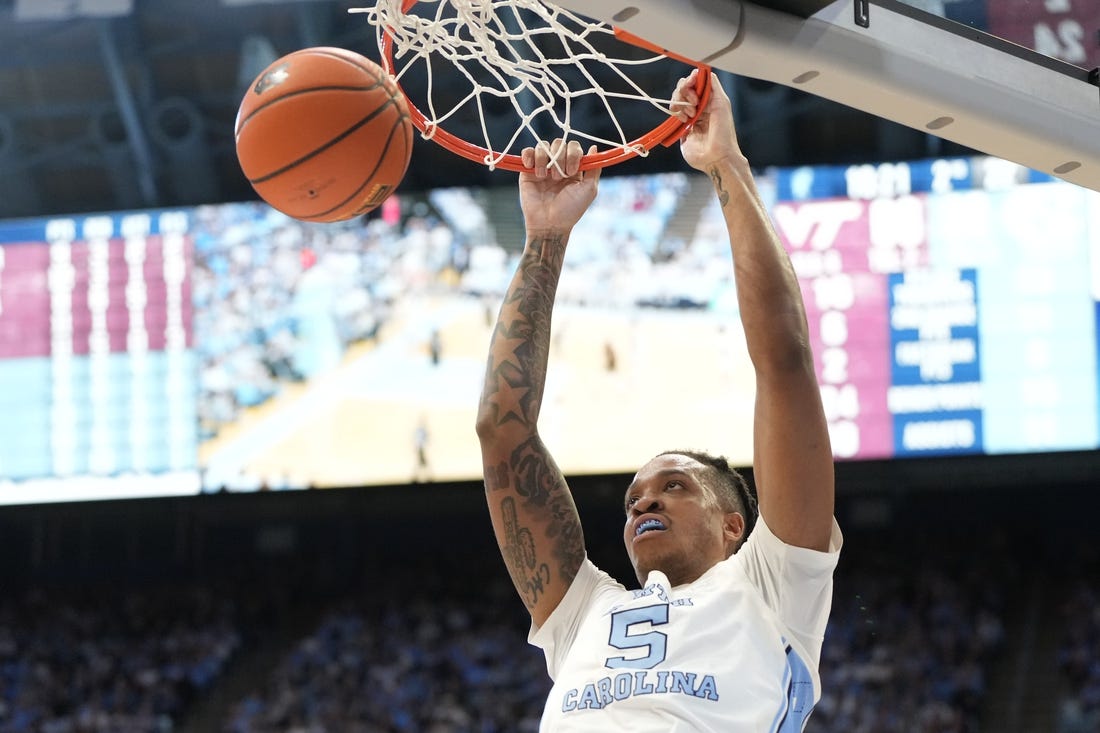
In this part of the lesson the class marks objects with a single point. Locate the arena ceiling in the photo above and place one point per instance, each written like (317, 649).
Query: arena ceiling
(121, 104)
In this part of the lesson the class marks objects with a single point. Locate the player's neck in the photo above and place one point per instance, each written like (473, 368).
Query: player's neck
(678, 574)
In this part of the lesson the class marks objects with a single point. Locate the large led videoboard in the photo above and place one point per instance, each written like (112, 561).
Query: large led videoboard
(98, 388)
(952, 306)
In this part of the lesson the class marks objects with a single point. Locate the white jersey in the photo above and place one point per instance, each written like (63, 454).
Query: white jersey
(736, 650)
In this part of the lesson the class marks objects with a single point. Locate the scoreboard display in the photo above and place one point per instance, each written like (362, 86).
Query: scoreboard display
(952, 303)
(99, 382)
(1063, 29)
(953, 310)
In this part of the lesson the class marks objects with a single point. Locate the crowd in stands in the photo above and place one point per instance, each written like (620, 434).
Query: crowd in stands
(905, 651)
(1079, 651)
(101, 662)
(910, 647)
(426, 653)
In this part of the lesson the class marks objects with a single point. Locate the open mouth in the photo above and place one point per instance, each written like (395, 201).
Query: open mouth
(649, 525)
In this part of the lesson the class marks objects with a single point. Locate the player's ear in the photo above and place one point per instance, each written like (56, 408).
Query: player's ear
(733, 528)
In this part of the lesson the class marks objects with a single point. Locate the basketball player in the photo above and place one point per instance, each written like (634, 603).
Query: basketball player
(725, 632)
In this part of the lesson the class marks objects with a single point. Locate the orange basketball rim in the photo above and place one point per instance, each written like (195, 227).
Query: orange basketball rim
(395, 36)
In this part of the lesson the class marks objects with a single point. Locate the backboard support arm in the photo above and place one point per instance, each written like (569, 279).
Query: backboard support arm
(957, 83)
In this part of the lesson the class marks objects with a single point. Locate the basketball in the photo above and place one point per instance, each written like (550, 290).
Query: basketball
(323, 134)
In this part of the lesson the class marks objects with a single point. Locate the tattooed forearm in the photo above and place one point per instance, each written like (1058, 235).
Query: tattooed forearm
(549, 249)
(536, 522)
(528, 574)
(547, 496)
(723, 194)
(497, 477)
(516, 375)
(537, 478)
(556, 513)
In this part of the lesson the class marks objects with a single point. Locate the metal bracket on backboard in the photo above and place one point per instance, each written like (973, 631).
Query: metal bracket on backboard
(1094, 77)
(862, 12)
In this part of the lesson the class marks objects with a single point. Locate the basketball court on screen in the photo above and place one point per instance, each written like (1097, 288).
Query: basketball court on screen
(357, 424)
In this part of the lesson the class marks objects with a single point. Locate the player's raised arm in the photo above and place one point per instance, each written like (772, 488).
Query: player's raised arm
(533, 514)
(792, 458)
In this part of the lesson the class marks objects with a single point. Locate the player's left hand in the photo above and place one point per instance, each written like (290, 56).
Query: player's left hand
(712, 137)
(554, 192)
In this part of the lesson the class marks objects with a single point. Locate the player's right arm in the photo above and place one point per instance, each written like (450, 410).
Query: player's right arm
(792, 457)
(534, 518)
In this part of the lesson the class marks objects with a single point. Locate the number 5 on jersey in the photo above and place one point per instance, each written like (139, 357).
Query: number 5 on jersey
(622, 638)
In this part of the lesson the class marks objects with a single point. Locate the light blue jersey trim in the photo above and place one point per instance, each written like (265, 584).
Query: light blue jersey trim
(799, 702)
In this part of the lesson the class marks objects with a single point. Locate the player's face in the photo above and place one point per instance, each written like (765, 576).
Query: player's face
(673, 520)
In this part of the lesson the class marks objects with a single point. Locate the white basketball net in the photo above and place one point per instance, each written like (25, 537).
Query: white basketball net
(499, 46)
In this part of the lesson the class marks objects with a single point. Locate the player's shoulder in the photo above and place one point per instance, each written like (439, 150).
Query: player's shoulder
(592, 582)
